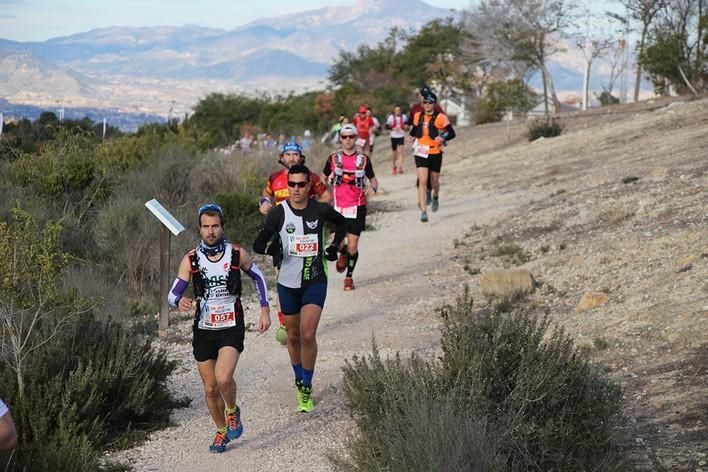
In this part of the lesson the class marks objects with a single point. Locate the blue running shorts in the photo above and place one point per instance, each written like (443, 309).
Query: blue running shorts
(293, 299)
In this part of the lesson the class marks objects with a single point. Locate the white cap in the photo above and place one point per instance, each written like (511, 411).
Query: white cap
(348, 129)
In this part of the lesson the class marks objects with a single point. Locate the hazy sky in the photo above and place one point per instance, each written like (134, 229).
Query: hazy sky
(38, 20)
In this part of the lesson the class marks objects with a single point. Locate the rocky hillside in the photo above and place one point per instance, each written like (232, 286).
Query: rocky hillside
(610, 221)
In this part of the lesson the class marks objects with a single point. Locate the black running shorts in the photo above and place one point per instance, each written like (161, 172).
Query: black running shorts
(356, 225)
(395, 142)
(433, 162)
(206, 343)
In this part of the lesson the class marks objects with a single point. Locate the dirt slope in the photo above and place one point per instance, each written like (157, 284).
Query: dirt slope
(643, 243)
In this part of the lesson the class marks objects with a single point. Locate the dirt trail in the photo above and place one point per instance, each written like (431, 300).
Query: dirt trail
(562, 199)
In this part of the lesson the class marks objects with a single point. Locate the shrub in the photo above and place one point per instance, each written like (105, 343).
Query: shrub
(507, 387)
(516, 253)
(544, 128)
(241, 214)
(92, 386)
(500, 97)
(407, 423)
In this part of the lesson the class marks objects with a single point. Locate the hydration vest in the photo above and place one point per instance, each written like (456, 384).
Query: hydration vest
(233, 278)
(359, 172)
(432, 130)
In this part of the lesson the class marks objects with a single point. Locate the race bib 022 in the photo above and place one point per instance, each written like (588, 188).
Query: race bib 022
(303, 245)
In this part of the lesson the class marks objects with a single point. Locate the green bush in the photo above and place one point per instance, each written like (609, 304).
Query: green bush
(499, 97)
(241, 214)
(544, 128)
(508, 393)
(556, 411)
(407, 423)
(93, 386)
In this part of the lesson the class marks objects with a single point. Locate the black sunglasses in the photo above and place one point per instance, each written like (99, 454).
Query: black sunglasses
(428, 102)
(348, 136)
(210, 206)
(297, 184)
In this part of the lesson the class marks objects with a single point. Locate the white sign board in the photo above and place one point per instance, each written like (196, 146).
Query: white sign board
(164, 216)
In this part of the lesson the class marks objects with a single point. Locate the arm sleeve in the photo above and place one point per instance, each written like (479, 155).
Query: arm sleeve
(270, 227)
(369, 169)
(259, 282)
(333, 216)
(414, 125)
(178, 288)
(327, 169)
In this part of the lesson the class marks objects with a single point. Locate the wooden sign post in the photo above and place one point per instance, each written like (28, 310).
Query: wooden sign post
(169, 225)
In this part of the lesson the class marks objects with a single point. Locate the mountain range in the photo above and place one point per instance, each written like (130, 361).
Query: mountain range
(156, 69)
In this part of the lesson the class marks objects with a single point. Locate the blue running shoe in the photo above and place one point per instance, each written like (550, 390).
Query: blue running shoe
(234, 427)
(220, 442)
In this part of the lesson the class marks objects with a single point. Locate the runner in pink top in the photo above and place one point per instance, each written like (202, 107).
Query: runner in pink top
(352, 178)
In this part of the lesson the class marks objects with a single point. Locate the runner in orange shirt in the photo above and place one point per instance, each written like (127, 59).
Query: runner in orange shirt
(430, 131)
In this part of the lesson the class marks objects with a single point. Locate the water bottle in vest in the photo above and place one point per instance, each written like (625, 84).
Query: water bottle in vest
(338, 171)
(359, 173)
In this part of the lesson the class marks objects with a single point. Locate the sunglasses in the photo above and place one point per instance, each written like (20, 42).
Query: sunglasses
(210, 206)
(297, 184)
(425, 102)
(348, 136)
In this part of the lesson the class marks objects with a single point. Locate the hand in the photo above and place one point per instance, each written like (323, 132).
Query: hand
(331, 253)
(370, 191)
(265, 208)
(185, 304)
(264, 320)
(439, 140)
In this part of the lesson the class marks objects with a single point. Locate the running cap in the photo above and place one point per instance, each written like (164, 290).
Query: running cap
(348, 129)
(291, 146)
(430, 97)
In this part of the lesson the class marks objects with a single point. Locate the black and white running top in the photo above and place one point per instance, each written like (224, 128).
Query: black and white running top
(302, 241)
(218, 309)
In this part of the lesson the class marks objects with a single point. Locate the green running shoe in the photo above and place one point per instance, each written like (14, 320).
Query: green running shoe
(305, 403)
(436, 204)
(298, 386)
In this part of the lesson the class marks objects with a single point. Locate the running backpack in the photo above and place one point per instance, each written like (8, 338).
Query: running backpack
(233, 279)
(359, 173)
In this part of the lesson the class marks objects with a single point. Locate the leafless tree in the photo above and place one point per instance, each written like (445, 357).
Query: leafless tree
(593, 42)
(644, 11)
(524, 32)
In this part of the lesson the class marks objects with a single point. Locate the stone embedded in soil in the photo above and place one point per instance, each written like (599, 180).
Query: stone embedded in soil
(591, 300)
(506, 282)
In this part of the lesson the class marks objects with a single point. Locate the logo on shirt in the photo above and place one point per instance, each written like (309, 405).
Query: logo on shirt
(312, 224)
(290, 228)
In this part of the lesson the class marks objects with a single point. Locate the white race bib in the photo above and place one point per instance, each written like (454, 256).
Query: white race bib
(360, 143)
(303, 245)
(348, 212)
(220, 316)
(421, 150)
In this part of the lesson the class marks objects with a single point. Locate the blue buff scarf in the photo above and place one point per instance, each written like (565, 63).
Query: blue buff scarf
(217, 248)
